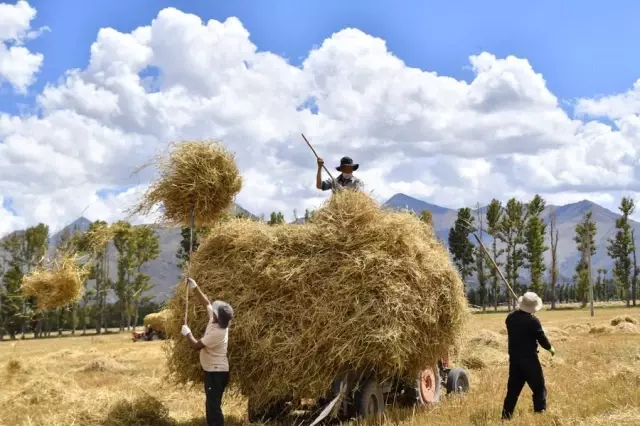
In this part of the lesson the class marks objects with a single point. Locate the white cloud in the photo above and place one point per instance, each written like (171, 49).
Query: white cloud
(18, 65)
(450, 142)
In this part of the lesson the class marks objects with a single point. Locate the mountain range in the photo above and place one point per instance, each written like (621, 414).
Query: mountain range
(165, 272)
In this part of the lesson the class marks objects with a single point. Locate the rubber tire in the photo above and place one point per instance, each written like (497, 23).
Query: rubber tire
(271, 413)
(457, 381)
(414, 392)
(155, 337)
(370, 389)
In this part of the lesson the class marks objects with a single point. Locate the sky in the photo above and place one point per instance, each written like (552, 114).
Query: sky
(453, 102)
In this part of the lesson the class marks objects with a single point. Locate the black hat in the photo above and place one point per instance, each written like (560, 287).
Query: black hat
(347, 161)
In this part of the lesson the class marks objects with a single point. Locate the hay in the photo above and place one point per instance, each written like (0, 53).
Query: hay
(578, 328)
(103, 365)
(358, 288)
(601, 329)
(200, 175)
(624, 319)
(56, 287)
(142, 411)
(488, 338)
(627, 328)
(157, 320)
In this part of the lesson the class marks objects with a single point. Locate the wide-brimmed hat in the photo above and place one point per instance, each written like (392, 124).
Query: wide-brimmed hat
(347, 161)
(223, 312)
(530, 302)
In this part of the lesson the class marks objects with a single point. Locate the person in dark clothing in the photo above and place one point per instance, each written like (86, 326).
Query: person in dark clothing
(525, 333)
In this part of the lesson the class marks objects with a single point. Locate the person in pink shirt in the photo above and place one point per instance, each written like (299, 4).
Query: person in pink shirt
(213, 353)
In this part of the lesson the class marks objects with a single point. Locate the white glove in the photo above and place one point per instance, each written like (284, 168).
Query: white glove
(192, 283)
(185, 330)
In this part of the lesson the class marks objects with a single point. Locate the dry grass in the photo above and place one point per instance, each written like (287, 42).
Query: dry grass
(593, 380)
(58, 286)
(193, 175)
(359, 288)
(157, 320)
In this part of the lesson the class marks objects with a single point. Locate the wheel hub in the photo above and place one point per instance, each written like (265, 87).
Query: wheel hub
(427, 386)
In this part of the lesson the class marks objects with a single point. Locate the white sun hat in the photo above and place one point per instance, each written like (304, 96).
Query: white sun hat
(530, 302)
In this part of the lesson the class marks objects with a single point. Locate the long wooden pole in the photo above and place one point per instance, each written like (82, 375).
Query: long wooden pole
(495, 265)
(335, 182)
(191, 227)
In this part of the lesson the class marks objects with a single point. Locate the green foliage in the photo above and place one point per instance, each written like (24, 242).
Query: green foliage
(427, 217)
(511, 233)
(460, 247)
(183, 250)
(620, 248)
(494, 218)
(535, 230)
(276, 218)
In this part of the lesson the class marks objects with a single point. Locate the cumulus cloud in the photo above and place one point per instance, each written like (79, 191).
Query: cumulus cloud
(448, 141)
(18, 65)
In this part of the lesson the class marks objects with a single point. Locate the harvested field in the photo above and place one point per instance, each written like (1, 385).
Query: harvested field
(593, 380)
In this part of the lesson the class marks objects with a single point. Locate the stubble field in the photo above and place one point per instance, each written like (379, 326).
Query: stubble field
(109, 380)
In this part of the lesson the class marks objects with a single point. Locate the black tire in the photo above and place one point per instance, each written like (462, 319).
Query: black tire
(369, 399)
(155, 337)
(457, 381)
(272, 412)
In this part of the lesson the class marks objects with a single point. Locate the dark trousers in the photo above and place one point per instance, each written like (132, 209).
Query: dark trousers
(214, 386)
(524, 369)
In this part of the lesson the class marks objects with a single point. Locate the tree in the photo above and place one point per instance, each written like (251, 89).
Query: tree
(147, 248)
(125, 247)
(494, 217)
(553, 237)
(534, 242)
(586, 244)
(183, 249)
(481, 267)
(460, 246)
(511, 233)
(427, 217)
(276, 218)
(636, 271)
(620, 248)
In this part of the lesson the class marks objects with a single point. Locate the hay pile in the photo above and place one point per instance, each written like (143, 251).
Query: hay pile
(58, 286)
(624, 319)
(200, 175)
(484, 349)
(157, 320)
(359, 287)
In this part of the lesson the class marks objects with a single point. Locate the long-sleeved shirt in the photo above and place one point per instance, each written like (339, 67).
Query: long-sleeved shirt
(353, 183)
(525, 332)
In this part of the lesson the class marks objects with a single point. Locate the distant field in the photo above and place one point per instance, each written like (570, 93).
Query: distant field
(109, 380)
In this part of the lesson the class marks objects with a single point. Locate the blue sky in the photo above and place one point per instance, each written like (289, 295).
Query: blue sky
(582, 49)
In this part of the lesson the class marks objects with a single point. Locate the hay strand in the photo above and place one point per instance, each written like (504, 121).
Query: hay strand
(200, 175)
(59, 286)
(358, 288)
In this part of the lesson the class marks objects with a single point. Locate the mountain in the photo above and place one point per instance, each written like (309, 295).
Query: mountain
(165, 272)
(567, 217)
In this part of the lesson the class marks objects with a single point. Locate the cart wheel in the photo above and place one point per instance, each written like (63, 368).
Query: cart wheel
(369, 400)
(427, 387)
(155, 337)
(457, 381)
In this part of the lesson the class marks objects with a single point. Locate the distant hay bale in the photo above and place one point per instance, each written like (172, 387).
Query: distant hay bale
(624, 319)
(360, 287)
(601, 329)
(142, 411)
(627, 328)
(556, 334)
(157, 320)
(578, 328)
(56, 287)
(103, 365)
(200, 175)
(487, 338)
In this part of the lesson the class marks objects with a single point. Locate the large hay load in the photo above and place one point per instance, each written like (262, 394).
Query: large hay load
(157, 320)
(359, 289)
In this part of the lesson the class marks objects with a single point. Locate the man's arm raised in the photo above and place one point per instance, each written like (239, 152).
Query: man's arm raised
(201, 296)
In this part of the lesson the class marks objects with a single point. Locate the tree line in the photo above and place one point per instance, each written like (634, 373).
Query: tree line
(25, 250)
(518, 232)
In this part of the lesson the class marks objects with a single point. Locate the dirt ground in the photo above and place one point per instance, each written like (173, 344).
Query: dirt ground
(109, 380)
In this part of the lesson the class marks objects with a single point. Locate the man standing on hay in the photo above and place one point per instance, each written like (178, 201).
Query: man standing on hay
(213, 353)
(346, 178)
(525, 332)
